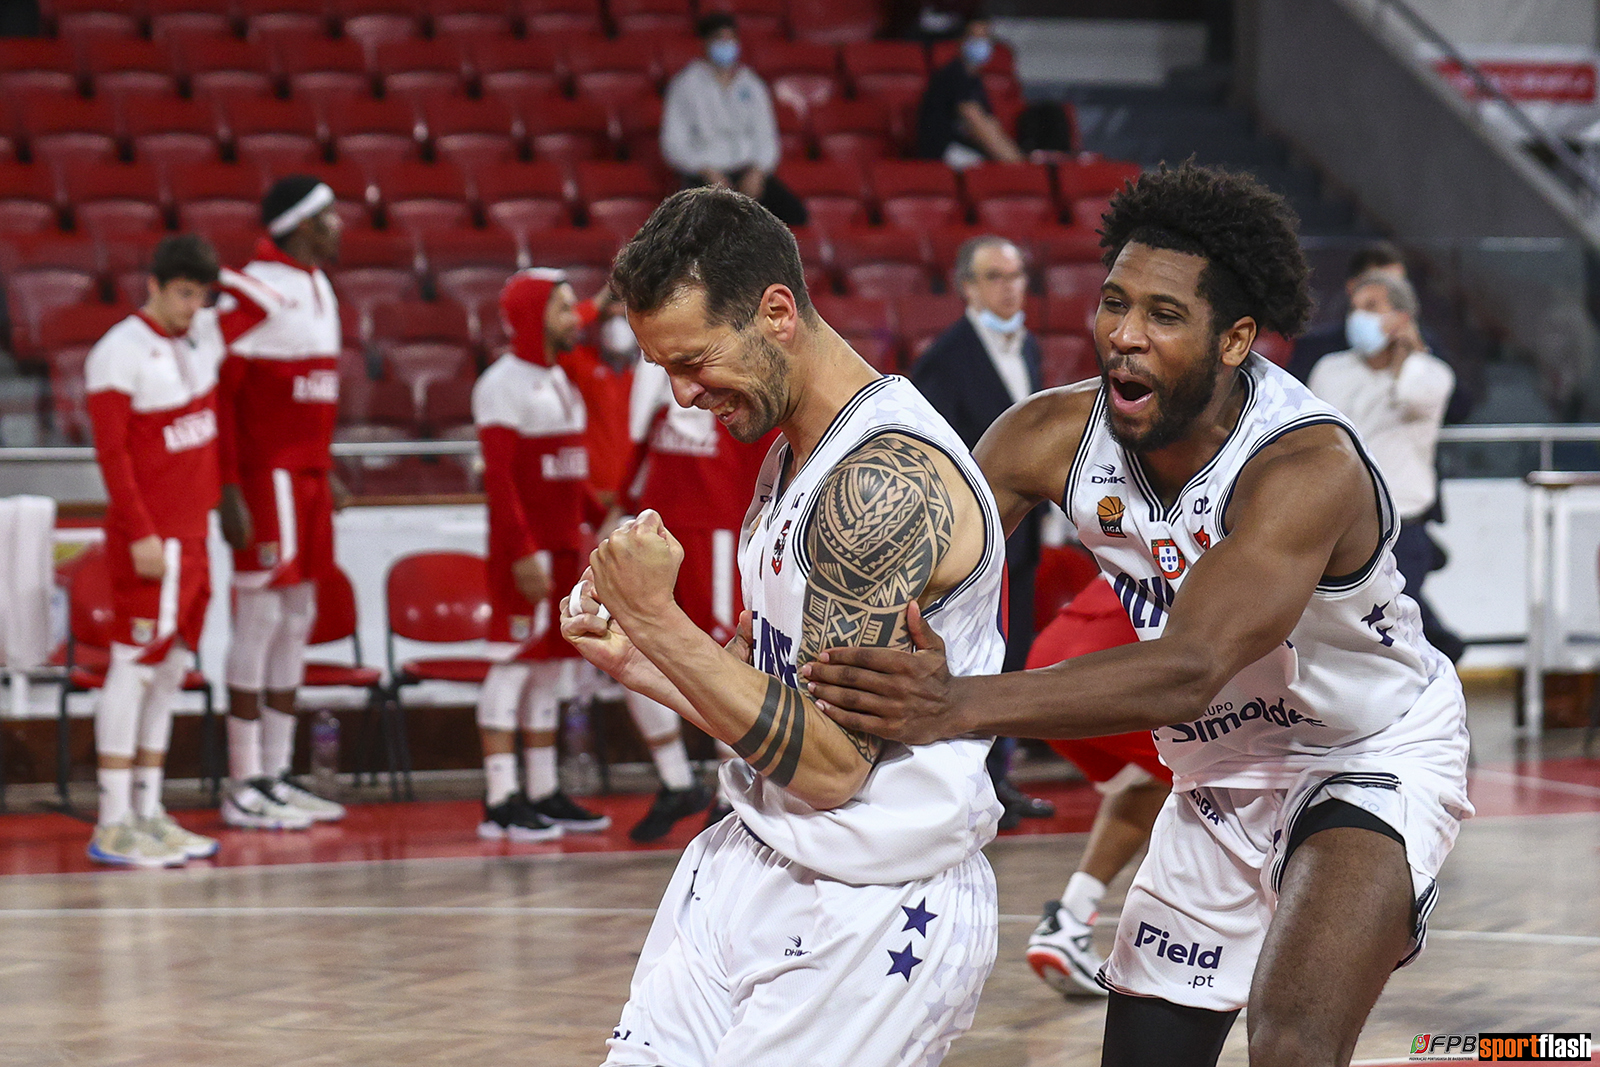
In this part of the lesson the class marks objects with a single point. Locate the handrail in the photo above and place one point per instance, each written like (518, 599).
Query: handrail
(1504, 433)
(1554, 145)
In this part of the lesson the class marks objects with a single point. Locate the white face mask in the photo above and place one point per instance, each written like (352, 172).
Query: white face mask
(1364, 331)
(999, 325)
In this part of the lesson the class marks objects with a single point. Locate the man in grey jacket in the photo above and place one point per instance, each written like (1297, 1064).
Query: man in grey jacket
(718, 128)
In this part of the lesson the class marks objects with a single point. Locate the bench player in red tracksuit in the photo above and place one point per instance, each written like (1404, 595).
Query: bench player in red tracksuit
(152, 382)
(531, 424)
(277, 406)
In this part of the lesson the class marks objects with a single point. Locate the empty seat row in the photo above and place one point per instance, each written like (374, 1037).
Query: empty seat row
(827, 21)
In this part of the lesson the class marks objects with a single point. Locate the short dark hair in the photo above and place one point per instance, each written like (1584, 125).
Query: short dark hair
(719, 240)
(715, 22)
(184, 255)
(1371, 257)
(1243, 230)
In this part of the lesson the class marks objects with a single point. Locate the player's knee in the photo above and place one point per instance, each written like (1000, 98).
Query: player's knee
(499, 696)
(256, 618)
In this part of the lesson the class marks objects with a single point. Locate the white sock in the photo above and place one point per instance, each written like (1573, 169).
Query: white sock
(500, 771)
(539, 765)
(277, 742)
(116, 795)
(1081, 898)
(147, 791)
(672, 764)
(244, 748)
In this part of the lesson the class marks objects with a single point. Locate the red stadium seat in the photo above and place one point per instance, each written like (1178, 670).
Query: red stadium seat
(282, 153)
(464, 26)
(275, 29)
(170, 151)
(15, 82)
(1086, 211)
(834, 21)
(377, 248)
(1066, 357)
(25, 216)
(378, 28)
(215, 22)
(100, 55)
(79, 324)
(33, 294)
(1076, 178)
(138, 117)
(651, 16)
(917, 195)
(516, 66)
(833, 193)
(35, 55)
(477, 289)
(44, 114)
(1074, 279)
(219, 181)
(883, 263)
(295, 55)
(246, 117)
(859, 130)
(584, 254)
(365, 288)
(194, 55)
(68, 402)
(421, 70)
(436, 598)
(336, 620)
(878, 68)
(612, 72)
(376, 134)
(566, 130)
(523, 197)
(28, 183)
(1076, 245)
(425, 320)
(1274, 346)
(758, 19)
(866, 325)
(96, 24)
(1071, 312)
(446, 406)
(1012, 197)
(117, 199)
(675, 51)
(60, 251)
(420, 362)
(774, 58)
(424, 196)
(923, 317)
(638, 126)
(459, 249)
(540, 17)
(213, 217)
(618, 196)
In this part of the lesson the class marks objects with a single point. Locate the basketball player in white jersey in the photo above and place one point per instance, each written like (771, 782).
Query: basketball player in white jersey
(1317, 742)
(844, 913)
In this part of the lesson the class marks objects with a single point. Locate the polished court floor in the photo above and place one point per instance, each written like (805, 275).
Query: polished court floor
(399, 938)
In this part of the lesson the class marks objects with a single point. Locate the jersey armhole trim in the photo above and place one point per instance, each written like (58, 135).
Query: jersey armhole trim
(1388, 522)
(1075, 469)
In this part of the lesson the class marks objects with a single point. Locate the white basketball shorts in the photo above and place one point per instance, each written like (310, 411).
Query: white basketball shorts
(1198, 909)
(756, 961)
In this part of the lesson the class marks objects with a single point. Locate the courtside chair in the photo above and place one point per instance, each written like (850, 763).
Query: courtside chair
(433, 598)
(336, 622)
(87, 654)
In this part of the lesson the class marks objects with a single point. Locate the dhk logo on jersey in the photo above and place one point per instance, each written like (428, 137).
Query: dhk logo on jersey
(1169, 557)
(1109, 511)
(1110, 477)
(777, 546)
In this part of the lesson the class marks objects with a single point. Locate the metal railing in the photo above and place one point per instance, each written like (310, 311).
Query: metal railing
(1559, 150)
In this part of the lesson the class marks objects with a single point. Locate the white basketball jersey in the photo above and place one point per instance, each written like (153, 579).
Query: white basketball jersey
(922, 809)
(1354, 665)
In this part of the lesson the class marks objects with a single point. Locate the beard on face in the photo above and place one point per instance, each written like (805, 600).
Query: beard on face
(1178, 404)
(763, 402)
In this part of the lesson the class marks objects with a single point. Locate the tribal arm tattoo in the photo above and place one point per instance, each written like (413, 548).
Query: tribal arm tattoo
(882, 522)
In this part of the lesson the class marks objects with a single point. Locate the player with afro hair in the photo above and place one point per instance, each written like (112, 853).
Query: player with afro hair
(1245, 232)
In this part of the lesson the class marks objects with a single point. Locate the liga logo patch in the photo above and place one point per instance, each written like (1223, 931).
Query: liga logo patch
(1110, 511)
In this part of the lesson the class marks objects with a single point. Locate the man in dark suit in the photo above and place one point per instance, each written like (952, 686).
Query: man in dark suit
(973, 372)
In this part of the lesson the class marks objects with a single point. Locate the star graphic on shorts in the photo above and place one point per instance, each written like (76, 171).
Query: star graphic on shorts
(904, 961)
(917, 918)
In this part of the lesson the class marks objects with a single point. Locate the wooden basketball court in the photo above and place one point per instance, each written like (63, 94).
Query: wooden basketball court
(398, 938)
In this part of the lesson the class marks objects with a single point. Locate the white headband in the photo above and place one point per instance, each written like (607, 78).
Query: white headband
(318, 198)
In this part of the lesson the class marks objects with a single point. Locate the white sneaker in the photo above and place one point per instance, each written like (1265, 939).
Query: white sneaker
(287, 791)
(254, 805)
(1061, 952)
(123, 844)
(164, 828)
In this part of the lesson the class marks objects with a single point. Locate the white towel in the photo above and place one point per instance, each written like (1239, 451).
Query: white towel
(28, 566)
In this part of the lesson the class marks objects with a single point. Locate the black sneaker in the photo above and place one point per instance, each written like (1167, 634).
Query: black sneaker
(670, 806)
(561, 810)
(514, 819)
(717, 813)
(1022, 805)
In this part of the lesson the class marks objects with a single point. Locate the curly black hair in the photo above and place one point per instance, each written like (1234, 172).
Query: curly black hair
(1245, 232)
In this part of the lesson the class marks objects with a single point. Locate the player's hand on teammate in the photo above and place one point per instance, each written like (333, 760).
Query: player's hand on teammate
(901, 696)
(149, 558)
(237, 528)
(636, 568)
(533, 581)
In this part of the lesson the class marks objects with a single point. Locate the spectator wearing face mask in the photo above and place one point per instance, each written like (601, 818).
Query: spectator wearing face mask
(1395, 391)
(718, 128)
(954, 120)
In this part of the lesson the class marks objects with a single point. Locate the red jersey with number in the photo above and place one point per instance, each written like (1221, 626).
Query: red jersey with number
(278, 397)
(695, 473)
(152, 404)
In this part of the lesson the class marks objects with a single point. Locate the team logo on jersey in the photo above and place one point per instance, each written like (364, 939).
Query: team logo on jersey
(1110, 511)
(267, 554)
(317, 387)
(144, 631)
(1202, 538)
(521, 627)
(1109, 477)
(777, 546)
(190, 431)
(1169, 557)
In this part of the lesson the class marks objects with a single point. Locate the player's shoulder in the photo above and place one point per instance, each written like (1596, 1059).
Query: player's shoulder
(1050, 422)
(113, 360)
(1321, 460)
(899, 470)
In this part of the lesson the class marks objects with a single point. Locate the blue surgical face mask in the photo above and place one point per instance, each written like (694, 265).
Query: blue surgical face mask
(723, 54)
(977, 50)
(999, 325)
(1364, 331)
